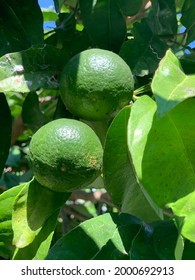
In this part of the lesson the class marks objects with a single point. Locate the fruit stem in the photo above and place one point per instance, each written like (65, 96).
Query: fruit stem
(142, 89)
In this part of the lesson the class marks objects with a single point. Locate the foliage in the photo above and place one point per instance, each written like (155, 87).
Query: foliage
(142, 205)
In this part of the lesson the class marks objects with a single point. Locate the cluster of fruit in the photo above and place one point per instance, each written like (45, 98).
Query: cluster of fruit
(66, 154)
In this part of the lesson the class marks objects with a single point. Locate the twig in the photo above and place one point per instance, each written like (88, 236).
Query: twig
(17, 129)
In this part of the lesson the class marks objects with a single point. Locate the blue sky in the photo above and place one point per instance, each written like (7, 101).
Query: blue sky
(45, 3)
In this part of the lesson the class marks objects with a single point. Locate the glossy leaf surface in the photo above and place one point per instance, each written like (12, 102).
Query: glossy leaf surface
(88, 239)
(31, 69)
(7, 199)
(184, 208)
(38, 249)
(170, 85)
(32, 207)
(162, 154)
(119, 175)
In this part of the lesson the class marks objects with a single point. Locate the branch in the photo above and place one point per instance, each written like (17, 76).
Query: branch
(17, 129)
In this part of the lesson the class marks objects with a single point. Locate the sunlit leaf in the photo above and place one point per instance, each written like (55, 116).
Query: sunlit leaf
(119, 175)
(87, 240)
(7, 199)
(31, 69)
(170, 85)
(32, 207)
(39, 248)
(163, 149)
(184, 208)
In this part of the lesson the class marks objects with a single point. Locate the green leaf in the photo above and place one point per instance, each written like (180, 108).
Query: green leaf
(187, 19)
(87, 240)
(58, 5)
(7, 199)
(39, 248)
(164, 21)
(143, 60)
(188, 63)
(162, 150)
(5, 128)
(49, 14)
(170, 85)
(119, 175)
(142, 247)
(189, 250)
(129, 7)
(18, 31)
(33, 206)
(31, 69)
(155, 241)
(104, 23)
(31, 113)
(165, 237)
(184, 208)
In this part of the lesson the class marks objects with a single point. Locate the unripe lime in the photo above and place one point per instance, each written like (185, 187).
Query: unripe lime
(65, 155)
(95, 84)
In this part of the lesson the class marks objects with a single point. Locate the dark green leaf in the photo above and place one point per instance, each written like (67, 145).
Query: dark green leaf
(163, 149)
(5, 128)
(164, 21)
(87, 240)
(104, 23)
(58, 5)
(187, 19)
(142, 247)
(39, 248)
(184, 208)
(7, 199)
(188, 63)
(18, 31)
(170, 85)
(165, 237)
(31, 69)
(189, 250)
(129, 7)
(155, 241)
(33, 206)
(61, 111)
(143, 60)
(119, 175)
(31, 113)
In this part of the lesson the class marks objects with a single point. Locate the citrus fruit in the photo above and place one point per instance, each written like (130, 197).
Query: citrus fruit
(95, 84)
(65, 155)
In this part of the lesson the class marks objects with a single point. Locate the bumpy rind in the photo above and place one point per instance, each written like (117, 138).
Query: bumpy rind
(96, 84)
(65, 155)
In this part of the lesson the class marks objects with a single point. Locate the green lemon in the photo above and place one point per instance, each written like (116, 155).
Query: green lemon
(95, 84)
(65, 155)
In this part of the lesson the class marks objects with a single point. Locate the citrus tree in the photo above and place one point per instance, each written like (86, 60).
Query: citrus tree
(97, 145)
